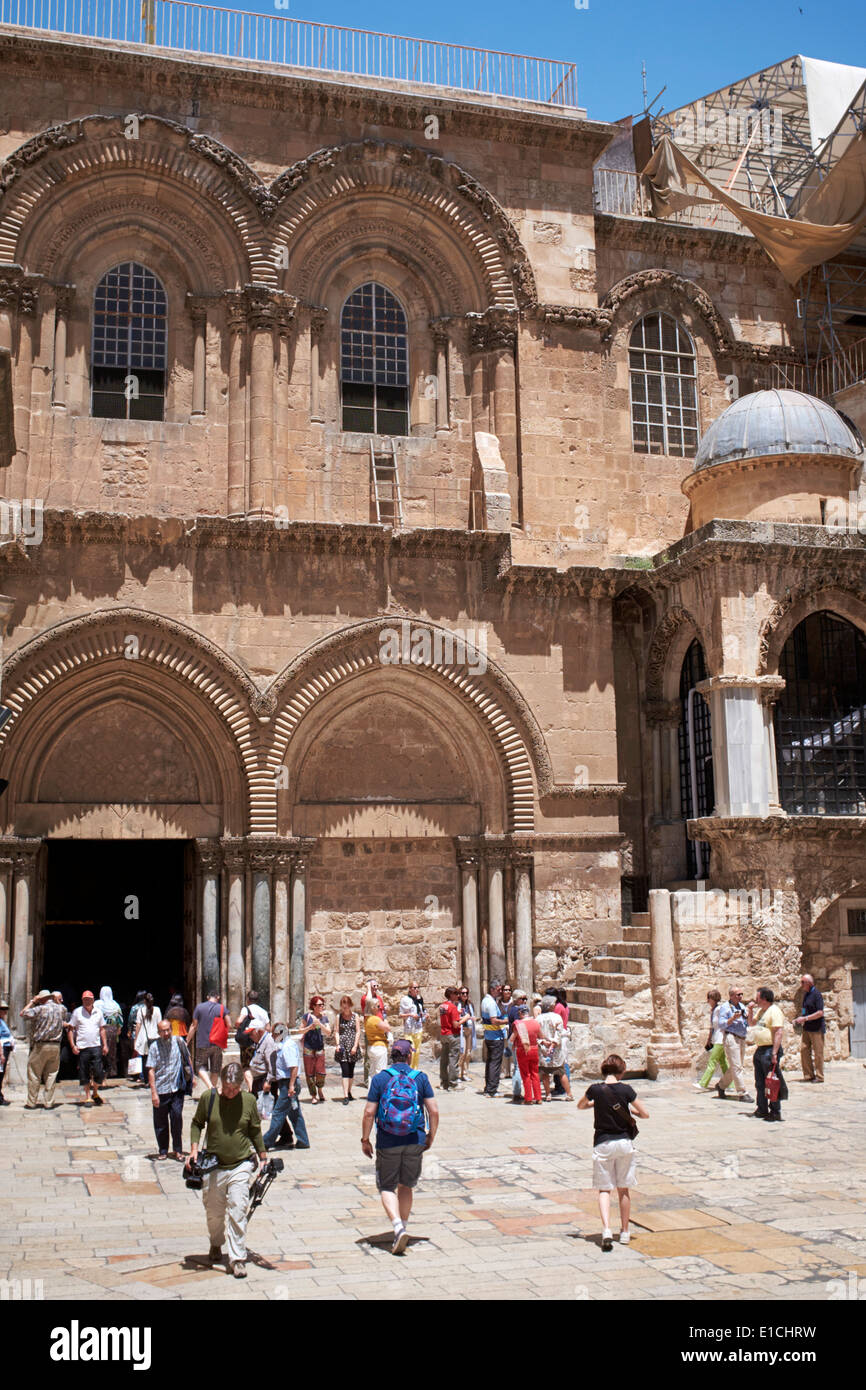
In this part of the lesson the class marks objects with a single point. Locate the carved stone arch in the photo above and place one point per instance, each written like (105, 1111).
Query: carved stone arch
(75, 164)
(449, 207)
(175, 668)
(787, 614)
(646, 290)
(671, 640)
(354, 240)
(496, 706)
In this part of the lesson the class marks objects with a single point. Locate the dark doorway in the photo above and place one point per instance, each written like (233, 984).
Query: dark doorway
(92, 937)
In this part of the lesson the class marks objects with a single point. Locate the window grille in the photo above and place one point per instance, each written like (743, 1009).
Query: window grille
(820, 719)
(694, 670)
(663, 378)
(128, 358)
(374, 362)
(857, 921)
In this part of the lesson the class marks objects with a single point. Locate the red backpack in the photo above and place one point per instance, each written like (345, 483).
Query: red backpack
(219, 1033)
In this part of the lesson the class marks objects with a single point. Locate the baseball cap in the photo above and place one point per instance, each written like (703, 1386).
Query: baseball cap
(402, 1048)
(88, 994)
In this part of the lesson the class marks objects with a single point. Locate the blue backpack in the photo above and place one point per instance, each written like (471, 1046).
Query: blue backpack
(400, 1112)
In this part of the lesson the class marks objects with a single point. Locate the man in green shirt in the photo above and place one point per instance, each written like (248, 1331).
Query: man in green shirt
(234, 1134)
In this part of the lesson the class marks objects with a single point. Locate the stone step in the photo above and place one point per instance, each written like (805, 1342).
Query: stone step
(594, 998)
(637, 950)
(618, 965)
(634, 933)
(640, 919)
(601, 979)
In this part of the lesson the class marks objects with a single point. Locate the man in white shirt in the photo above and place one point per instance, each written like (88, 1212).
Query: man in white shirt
(284, 1084)
(412, 1016)
(86, 1031)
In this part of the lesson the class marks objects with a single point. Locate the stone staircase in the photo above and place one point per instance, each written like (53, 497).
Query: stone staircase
(610, 1005)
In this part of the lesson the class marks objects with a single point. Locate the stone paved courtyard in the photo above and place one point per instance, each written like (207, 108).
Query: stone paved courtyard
(727, 1207)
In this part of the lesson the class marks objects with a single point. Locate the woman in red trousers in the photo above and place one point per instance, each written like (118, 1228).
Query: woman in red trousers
(524, 1041)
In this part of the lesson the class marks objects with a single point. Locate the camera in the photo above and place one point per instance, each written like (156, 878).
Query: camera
(195, 1172)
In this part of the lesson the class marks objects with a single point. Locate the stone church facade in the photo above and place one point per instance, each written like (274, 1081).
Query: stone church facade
(366, 577)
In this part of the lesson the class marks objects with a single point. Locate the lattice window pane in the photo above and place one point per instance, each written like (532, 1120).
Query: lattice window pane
(693, 671)
(663, 371)
(820, 719)
(374, 351)
(130, 320)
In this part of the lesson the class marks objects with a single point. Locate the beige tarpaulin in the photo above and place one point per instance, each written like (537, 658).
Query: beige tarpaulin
(831, 217)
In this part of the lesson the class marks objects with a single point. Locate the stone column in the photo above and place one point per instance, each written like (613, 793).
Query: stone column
(297, 979)
(440, 344)
(260, 863)
(523, 920)
(236, 323)
(468, 861)
(63, 297)
(665, 1051)
(23, 870)
(263, 322)
(198, 314)
(235, 864)
(28, 329)
(5, 936)
(495, 859)
(209, 856)
(8, 310)
(317, 324)
(740, 768)
(769, 696)
(482, 413)
(663, 720)
(502, 337)
(280, 978)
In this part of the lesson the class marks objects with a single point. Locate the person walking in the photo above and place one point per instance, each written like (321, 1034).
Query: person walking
(113, 1015)
(251, 1013)
(287, 1113)
(715, 1044)
(412, 1018)
(348, 1044)
(169, 1074)
(378, 1037)
(86, 1030)
(260, 1071)
(525, 1034)
(613, 1154)
(551, 1047)
(7, 1047)
(319, 1028)
(561, 1007)
(147, 1023)
(178, 1017)
(733, 1020)
(814, 1025)
(231, 1121)
(767, 1038)
(495, 1025)
(505, 1000)
(371, 1003)
(398, 1099)
(450, 1031)
(518, 1000)
(209, 1035)
(47, 1021)
(469, 1035)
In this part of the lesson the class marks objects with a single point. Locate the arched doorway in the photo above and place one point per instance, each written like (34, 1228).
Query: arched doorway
(697, 795)
(820, 719)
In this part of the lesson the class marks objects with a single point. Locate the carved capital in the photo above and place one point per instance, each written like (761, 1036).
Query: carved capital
(663, 714)
(492, 332)
(439, 330)
(318, 319)
(209, 856)
(236, 312)
(197, 308)
(521, 860)
(494, 856)
(64, 297)
(234, 855)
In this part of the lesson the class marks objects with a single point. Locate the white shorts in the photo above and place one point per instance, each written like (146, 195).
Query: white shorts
(613, 1165)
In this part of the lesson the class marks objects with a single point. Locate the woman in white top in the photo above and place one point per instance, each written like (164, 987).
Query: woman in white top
(147, 1022)
(715, 1046)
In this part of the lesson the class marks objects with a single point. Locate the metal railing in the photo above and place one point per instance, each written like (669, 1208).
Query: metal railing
(622, 193)
(830, 374)
(269, 38)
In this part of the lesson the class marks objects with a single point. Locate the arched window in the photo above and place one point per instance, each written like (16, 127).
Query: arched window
(821, 719)
(697, 794)
(374, 362)
(664, 387)
(128, 358)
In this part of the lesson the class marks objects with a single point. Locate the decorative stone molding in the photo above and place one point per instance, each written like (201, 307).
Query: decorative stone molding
(493, 700)
(663, 714)
(64, 298)
(777, 626)
(402, 244)
(663, 639)
(318, 317)
(492, 331)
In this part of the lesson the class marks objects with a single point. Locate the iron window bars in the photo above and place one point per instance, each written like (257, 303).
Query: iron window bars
(128, 358)
(663, 379)
(374, 362)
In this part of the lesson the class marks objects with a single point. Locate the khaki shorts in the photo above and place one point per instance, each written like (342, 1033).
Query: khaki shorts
(401, 1165)
(613, 1165)
(209, 1058)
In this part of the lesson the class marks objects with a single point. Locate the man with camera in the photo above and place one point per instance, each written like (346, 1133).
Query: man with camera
(224, 1169)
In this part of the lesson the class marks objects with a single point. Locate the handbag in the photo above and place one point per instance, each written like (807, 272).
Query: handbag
(772, 1085)
(134, 1066)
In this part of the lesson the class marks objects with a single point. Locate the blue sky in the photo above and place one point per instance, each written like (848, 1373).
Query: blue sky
(694, 47)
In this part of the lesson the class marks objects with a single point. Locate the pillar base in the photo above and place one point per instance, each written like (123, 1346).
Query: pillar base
(666, 1054)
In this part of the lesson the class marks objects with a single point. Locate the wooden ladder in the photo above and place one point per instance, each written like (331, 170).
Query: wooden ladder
(385, 484)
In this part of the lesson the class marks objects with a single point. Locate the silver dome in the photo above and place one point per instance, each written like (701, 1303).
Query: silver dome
(776, 422)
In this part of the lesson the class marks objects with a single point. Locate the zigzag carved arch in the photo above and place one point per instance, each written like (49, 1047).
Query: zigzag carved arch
(664, 286)
(261, 215)
(490, 696)
(670, 642)
(98, 642)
